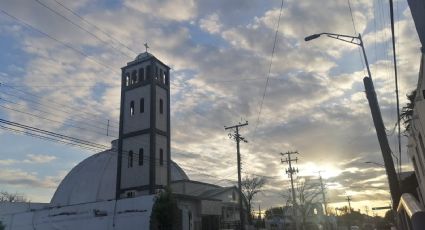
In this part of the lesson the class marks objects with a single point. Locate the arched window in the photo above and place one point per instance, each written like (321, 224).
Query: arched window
(134, 77)
(149, 72)
(142, 74)
(161, 76)
(132, 108)
(141, 156)
(161, 157)
(130, 159)
(127, 79)
(165, 77)
(161, 106)
(142, 105)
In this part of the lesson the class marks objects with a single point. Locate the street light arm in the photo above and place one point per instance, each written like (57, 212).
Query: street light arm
(346, 38)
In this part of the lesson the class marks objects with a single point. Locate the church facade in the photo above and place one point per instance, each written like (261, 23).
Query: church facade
(117, 188)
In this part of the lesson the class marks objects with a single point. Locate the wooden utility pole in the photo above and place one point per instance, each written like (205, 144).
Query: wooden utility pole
(349, 203)
(383, 141)
(237, 137)
(290, 171)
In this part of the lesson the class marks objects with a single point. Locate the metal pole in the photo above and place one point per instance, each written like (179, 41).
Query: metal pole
(365, 57)
(239, 179)
(383, 141)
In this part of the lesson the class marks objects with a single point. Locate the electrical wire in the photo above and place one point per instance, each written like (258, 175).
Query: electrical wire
(93, 25)
(270, 68)
(82, 53)
(80, 27)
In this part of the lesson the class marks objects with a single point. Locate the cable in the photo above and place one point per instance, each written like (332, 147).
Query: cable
(96, 27)
(48, 113)
(51, 120)
(355, 31)
(45, 138)
(59, 41)
(270, 68)
(60, 108)
(79, 26)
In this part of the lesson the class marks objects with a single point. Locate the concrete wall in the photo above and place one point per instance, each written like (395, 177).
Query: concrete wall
(161, 170)
(161, 119)
(127, 214)
(138, 121)
(138, 175)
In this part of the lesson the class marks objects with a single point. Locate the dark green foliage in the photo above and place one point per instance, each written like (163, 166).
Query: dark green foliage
(407, 111)
(164, 211)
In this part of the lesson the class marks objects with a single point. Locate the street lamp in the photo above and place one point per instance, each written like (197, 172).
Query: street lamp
(376, 114)
(374, 163)
(345, 38)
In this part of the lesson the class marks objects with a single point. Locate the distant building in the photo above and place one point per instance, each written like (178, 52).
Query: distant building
(116, 189)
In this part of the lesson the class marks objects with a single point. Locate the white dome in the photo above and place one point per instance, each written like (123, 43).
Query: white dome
(94, 179)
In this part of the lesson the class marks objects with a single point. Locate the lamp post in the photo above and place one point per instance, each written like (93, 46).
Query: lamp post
(374, 163)
(376, 114)
(345, 38)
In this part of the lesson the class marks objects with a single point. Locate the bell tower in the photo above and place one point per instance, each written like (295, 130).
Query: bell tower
(144, 133)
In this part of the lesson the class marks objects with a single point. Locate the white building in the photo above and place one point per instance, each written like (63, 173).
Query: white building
(116, 189)
(416, 147)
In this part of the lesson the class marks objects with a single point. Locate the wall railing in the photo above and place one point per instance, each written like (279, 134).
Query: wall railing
(411, 213)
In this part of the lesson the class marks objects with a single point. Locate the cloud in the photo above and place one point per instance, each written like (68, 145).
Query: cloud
(21, 179)
(314, 101)
(39, 158)
(211, 23)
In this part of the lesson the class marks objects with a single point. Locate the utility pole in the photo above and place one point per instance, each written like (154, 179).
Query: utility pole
(383, 141)
(290, 171)
(323, 194)
(237, 137)
(349, 204)
(107, 129)
(324, 200)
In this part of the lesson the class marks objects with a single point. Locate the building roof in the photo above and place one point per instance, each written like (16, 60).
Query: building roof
(94, 180)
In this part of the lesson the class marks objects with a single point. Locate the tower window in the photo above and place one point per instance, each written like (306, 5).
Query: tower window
(141, 74)
(132, 108)
(142, 105)
(141, 156)
(161, 157)
(134, 77)
(161, 106)
(130, 159)
(127, 79)
(156, 72)
(149, 71)
(161, 76)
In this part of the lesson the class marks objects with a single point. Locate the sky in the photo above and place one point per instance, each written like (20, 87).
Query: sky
(60, 71)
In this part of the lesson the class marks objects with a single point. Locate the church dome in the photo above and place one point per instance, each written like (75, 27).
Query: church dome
(94, 179)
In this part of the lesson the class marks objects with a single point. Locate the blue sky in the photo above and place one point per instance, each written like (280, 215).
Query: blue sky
(219, 52)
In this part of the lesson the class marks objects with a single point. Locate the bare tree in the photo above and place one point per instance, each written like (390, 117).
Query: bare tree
(12, 197)
(250, 187)
(308, 192)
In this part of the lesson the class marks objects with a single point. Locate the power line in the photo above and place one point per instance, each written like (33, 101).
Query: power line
(355, 31)
(60, 42)
(80, 27)
(270, 68)
(60, 107)
(96, 27)
(52, 120)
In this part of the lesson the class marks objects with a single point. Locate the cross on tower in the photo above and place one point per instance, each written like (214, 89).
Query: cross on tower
(146, 46)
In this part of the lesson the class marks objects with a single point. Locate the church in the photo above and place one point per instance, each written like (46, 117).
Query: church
(117, 188)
